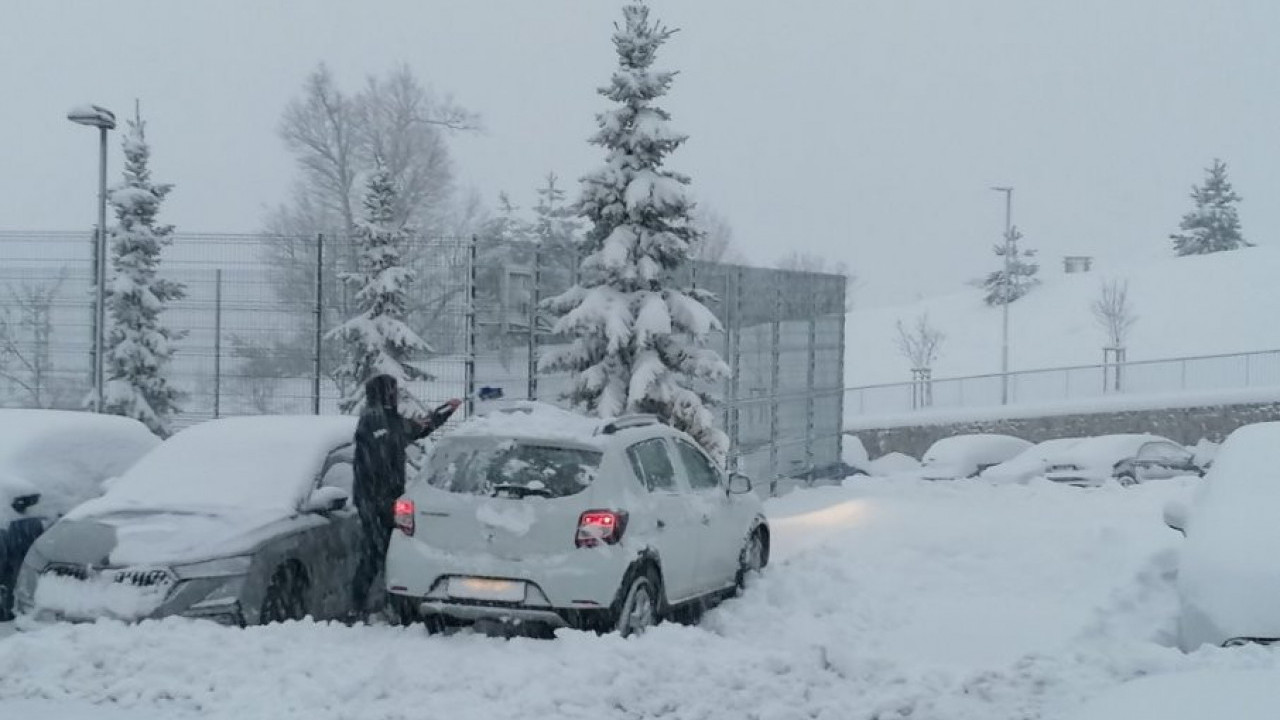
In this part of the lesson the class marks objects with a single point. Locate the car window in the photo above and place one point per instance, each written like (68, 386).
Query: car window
(652, 464)
(702, 474)
(501, 466)
(339, 475)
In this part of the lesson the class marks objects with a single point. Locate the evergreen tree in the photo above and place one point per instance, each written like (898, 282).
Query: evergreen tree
(377, 341)
(556, 228)
(638, 344)
(1214, 226)
(1022, 273)
(138, 346)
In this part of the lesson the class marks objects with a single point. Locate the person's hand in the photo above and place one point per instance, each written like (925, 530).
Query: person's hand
(441, 414)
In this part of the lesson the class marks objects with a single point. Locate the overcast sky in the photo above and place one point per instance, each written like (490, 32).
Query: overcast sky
(869, 132)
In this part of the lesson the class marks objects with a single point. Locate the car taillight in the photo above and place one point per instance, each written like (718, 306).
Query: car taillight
(600, 526)
(403, 512)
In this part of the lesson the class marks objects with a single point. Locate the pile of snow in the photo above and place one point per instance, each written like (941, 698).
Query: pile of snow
(532, 420)
(1101, 453)
(1188, 306)
(65, 456)
(97, 597)
(884, 599)
(1029, 463)
(263, 463)
(1193, 695)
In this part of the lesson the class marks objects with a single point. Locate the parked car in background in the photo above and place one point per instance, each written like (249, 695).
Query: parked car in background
(240, 520)
(51, 461)
(1126, 459)
(963, 456)
(1030, 463)
(533, 515)
(1228, 577)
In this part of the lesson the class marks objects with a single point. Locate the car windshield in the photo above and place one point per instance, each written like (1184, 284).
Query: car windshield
(512, 468)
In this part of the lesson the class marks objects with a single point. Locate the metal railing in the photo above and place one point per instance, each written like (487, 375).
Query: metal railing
(1196, 374)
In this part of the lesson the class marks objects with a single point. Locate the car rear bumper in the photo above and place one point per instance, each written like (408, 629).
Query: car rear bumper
(579, 580)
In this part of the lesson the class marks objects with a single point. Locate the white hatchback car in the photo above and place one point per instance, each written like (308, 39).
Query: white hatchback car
(536, 515)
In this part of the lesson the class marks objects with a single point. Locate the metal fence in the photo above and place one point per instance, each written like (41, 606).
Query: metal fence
(1206, 373)
(258, 310)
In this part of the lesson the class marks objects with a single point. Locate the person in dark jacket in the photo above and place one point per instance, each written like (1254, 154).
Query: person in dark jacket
(382, 437)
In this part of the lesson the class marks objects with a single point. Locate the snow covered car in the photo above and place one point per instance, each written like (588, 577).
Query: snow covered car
(1030, 463)
(962, 456)
(51, 461)
(1228, 578)
(536, 515)
(240, 520)
(1126, 459)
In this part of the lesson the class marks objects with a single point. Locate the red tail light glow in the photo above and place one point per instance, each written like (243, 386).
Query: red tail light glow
(600, 526)
(404, 512)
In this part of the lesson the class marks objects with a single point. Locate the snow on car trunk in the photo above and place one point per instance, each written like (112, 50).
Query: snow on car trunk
(964, 455)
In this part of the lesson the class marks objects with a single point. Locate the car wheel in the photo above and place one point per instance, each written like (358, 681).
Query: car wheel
(286, 596)
(754, 556)
(639, 608)
(1126, 479)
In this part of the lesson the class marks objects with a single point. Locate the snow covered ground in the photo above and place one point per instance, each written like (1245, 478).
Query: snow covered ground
(1198, 305)
(886, 600)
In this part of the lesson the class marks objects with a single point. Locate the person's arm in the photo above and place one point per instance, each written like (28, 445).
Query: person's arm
(418, 429)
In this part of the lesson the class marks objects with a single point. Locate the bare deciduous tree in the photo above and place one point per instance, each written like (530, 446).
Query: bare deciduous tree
(26, 330)
(813, 263)
(716, 243)
(920, 343)
(1113, 312)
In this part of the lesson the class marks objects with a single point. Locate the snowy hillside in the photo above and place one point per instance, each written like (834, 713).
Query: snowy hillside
(1200, 305)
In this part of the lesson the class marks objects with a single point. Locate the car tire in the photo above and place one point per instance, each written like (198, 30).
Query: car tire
(753, 558)
(1126, 479)
(285, 598)
(640, 605)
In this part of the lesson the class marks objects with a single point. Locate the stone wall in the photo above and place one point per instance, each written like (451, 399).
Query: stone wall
(1184, 425)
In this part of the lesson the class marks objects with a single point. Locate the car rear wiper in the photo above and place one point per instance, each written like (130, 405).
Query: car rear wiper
(520, 491)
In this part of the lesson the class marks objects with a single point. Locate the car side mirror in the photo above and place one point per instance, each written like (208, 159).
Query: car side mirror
(739, 484)
(1175, 516)
(22, 503)
(326, 499)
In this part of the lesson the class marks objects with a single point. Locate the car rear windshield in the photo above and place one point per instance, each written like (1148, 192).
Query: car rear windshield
(509, 468)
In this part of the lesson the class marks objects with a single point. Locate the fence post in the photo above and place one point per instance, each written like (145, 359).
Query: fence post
(217, 342)
(810, 406)
(469, 363)
(317, 348)
(535, 299)
(776, 375)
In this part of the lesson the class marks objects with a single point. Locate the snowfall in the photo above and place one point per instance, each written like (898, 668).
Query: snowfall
(885, 599)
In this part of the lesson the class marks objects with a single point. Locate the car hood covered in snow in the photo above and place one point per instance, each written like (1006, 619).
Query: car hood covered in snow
(159, 537)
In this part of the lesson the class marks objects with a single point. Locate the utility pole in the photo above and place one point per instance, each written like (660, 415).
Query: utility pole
(1006, 293)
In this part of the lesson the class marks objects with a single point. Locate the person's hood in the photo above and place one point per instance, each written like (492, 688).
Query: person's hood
(160, 537)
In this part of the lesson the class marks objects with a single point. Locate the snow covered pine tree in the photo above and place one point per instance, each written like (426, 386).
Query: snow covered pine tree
(638, 346)
(138, 347)
(1214, 226)
(1022, 273)
(378, 341)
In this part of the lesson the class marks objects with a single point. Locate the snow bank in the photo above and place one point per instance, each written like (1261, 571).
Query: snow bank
(99, 597)
(65, 455)
(261, 462)
(888, 600)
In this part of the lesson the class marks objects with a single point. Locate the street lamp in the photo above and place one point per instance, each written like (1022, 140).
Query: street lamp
(104, 120)
(1006, 292)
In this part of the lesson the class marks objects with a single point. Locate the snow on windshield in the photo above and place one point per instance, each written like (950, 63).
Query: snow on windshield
(244, 462)
(491, 466)
(65, 455)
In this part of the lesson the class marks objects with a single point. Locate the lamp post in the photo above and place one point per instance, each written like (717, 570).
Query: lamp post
(1007, 291)
(104, 120)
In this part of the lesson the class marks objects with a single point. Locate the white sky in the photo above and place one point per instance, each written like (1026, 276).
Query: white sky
(868, 131)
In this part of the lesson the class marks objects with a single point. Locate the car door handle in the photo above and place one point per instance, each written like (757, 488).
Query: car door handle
(661, 524)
